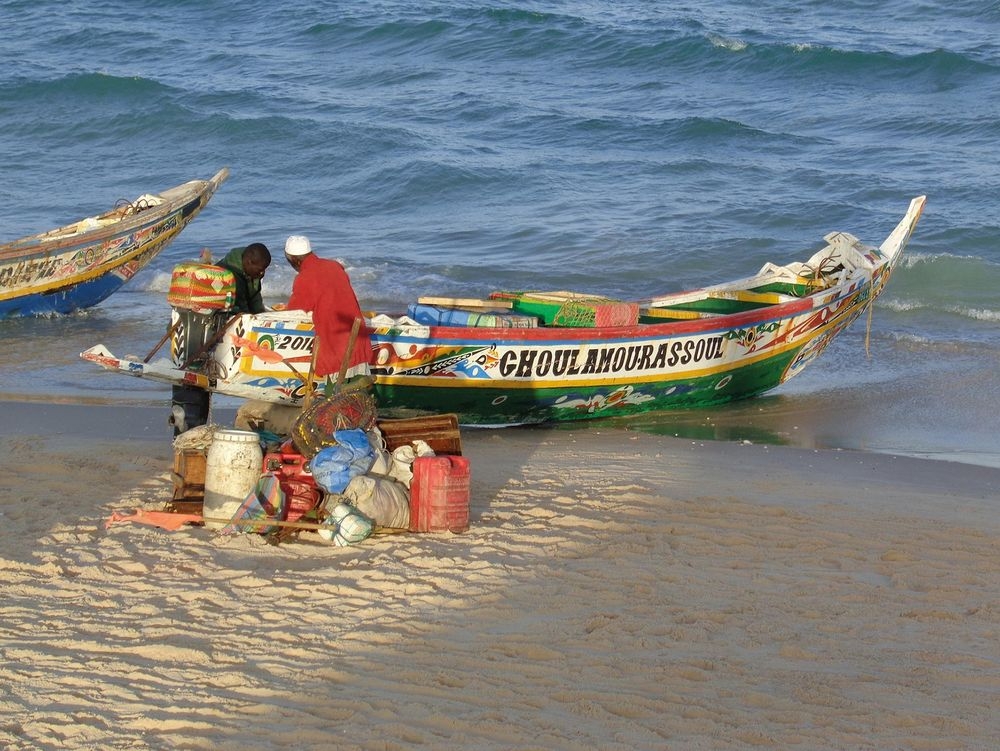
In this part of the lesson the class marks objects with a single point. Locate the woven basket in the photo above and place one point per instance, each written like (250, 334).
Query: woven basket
(314, 428)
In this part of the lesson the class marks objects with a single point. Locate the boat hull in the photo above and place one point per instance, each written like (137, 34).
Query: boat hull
(80, 265)
(500, 406)
(638, 370)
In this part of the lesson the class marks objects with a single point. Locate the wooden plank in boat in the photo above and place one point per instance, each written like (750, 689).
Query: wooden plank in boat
(743, 295)
(465, 302)
(681, 315)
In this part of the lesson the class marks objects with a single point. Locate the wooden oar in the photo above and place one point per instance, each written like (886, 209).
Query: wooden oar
(346, 362)
(266, 523)
(294, 370)
(344, 365)
(173, 521)
(295, 525)
(312, 372)
(267, 355)
(216, 338)
(170, 331)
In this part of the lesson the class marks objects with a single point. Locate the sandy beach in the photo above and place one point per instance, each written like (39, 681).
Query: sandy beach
(616, 590)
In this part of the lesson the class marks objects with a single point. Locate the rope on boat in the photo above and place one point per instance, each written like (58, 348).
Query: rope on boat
(868, 329)
(871, 313)
(125, 207)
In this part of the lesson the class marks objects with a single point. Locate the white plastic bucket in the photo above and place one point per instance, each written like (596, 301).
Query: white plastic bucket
(232, 468)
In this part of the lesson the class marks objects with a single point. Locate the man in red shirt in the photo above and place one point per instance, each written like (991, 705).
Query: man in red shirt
(323, 288)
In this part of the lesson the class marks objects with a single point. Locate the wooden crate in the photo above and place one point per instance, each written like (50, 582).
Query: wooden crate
(189, 475)
(439, 431)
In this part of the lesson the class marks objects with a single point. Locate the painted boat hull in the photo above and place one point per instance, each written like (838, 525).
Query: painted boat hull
(636, 370)
(732, 341)
(82, 264)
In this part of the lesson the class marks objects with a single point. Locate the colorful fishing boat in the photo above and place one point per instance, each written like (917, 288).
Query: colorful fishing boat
(530, 357)
(81, 264)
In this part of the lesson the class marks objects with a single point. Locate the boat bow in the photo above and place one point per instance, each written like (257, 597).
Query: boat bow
(80, 264)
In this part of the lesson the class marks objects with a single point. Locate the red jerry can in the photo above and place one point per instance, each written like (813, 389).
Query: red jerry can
(439, 494)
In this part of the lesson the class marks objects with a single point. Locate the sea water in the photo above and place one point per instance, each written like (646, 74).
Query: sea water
(625, 149)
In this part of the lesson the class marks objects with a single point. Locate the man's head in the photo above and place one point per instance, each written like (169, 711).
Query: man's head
(256, 259)
(297, 247)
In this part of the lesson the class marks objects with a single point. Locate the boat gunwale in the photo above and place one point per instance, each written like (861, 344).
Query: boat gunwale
(632, 332)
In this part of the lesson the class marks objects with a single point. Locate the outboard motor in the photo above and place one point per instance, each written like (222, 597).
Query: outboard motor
(201, 297)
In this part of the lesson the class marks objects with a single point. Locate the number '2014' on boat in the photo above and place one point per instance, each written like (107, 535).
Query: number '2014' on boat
(533, 357)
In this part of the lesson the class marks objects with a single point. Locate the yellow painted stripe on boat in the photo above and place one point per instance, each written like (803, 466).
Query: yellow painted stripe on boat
(745, 295)
(681, 315)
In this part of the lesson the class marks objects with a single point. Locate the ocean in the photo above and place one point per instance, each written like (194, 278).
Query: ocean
(624, 149)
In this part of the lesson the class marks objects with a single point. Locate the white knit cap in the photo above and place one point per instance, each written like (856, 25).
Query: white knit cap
(297, 245)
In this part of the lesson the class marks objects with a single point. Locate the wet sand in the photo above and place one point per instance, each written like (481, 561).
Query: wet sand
(616, 590)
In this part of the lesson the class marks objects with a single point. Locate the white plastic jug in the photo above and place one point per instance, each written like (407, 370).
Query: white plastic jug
(232, 468)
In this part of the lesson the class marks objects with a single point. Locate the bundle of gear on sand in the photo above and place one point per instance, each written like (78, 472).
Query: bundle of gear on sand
(332, 468)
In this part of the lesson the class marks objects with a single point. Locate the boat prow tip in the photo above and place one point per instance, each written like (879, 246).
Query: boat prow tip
(900, 236)
(98, 350)
(221, 176)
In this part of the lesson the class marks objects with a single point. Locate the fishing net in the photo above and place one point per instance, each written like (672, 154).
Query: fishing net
(314, 429)
(574, 313)
(600, 312)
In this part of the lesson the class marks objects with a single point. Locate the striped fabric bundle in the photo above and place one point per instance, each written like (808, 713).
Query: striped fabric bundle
(266, 502)
(201, 287)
